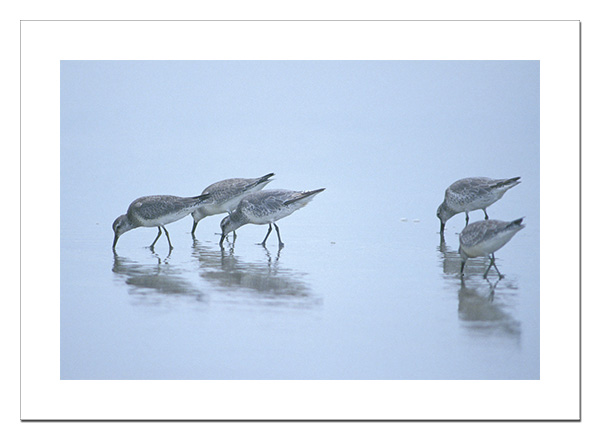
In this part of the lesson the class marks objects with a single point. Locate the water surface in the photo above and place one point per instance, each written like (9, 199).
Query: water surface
(365, 287)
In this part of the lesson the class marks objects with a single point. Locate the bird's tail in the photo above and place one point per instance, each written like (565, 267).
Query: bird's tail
(200, 199)
(516, 224)
(507, 183)
(303, 196)
(264, 179)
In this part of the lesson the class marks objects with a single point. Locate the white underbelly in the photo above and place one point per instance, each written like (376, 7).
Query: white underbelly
(271, 217)
(213, 209)
(164, 219)
(489, 246)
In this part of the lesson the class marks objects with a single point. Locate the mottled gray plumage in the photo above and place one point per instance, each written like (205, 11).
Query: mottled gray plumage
(485, 237)
(266, 207)
(226, 194)
(470, 194)
(151, 211)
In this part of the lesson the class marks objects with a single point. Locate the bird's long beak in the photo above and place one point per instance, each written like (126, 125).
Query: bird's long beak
(115, 241)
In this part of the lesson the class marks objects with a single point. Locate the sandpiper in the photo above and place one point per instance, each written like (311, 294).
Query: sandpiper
(266, 207)
(470, 194)
(485, 237)
(150, 211)
(226, 194)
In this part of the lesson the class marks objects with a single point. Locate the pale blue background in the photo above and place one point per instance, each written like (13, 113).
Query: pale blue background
(362, 289)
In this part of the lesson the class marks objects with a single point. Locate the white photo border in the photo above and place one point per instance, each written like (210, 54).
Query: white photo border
(556, 396)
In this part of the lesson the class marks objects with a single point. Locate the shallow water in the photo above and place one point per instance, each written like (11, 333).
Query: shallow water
(364, 288)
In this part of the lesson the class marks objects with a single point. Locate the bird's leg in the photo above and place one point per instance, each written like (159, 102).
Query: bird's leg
(442, 243)
(467, 215)
(194, 228)
(462, 268)
(278, 236)
(222, 240)
(268, 232)
(168, 238)
(494, 263)
(234, 236)
(156, 239)
(488, 269)
(485, 212)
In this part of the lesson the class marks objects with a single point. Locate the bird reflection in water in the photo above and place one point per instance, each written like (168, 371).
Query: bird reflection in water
(478, 310)
(262, 281)
(147, 280)
(485, 308)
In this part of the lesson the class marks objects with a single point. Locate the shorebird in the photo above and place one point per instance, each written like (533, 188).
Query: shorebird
(226, 194)
(150, 211)
(485, 237)
(266, 207)
(470, 194)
